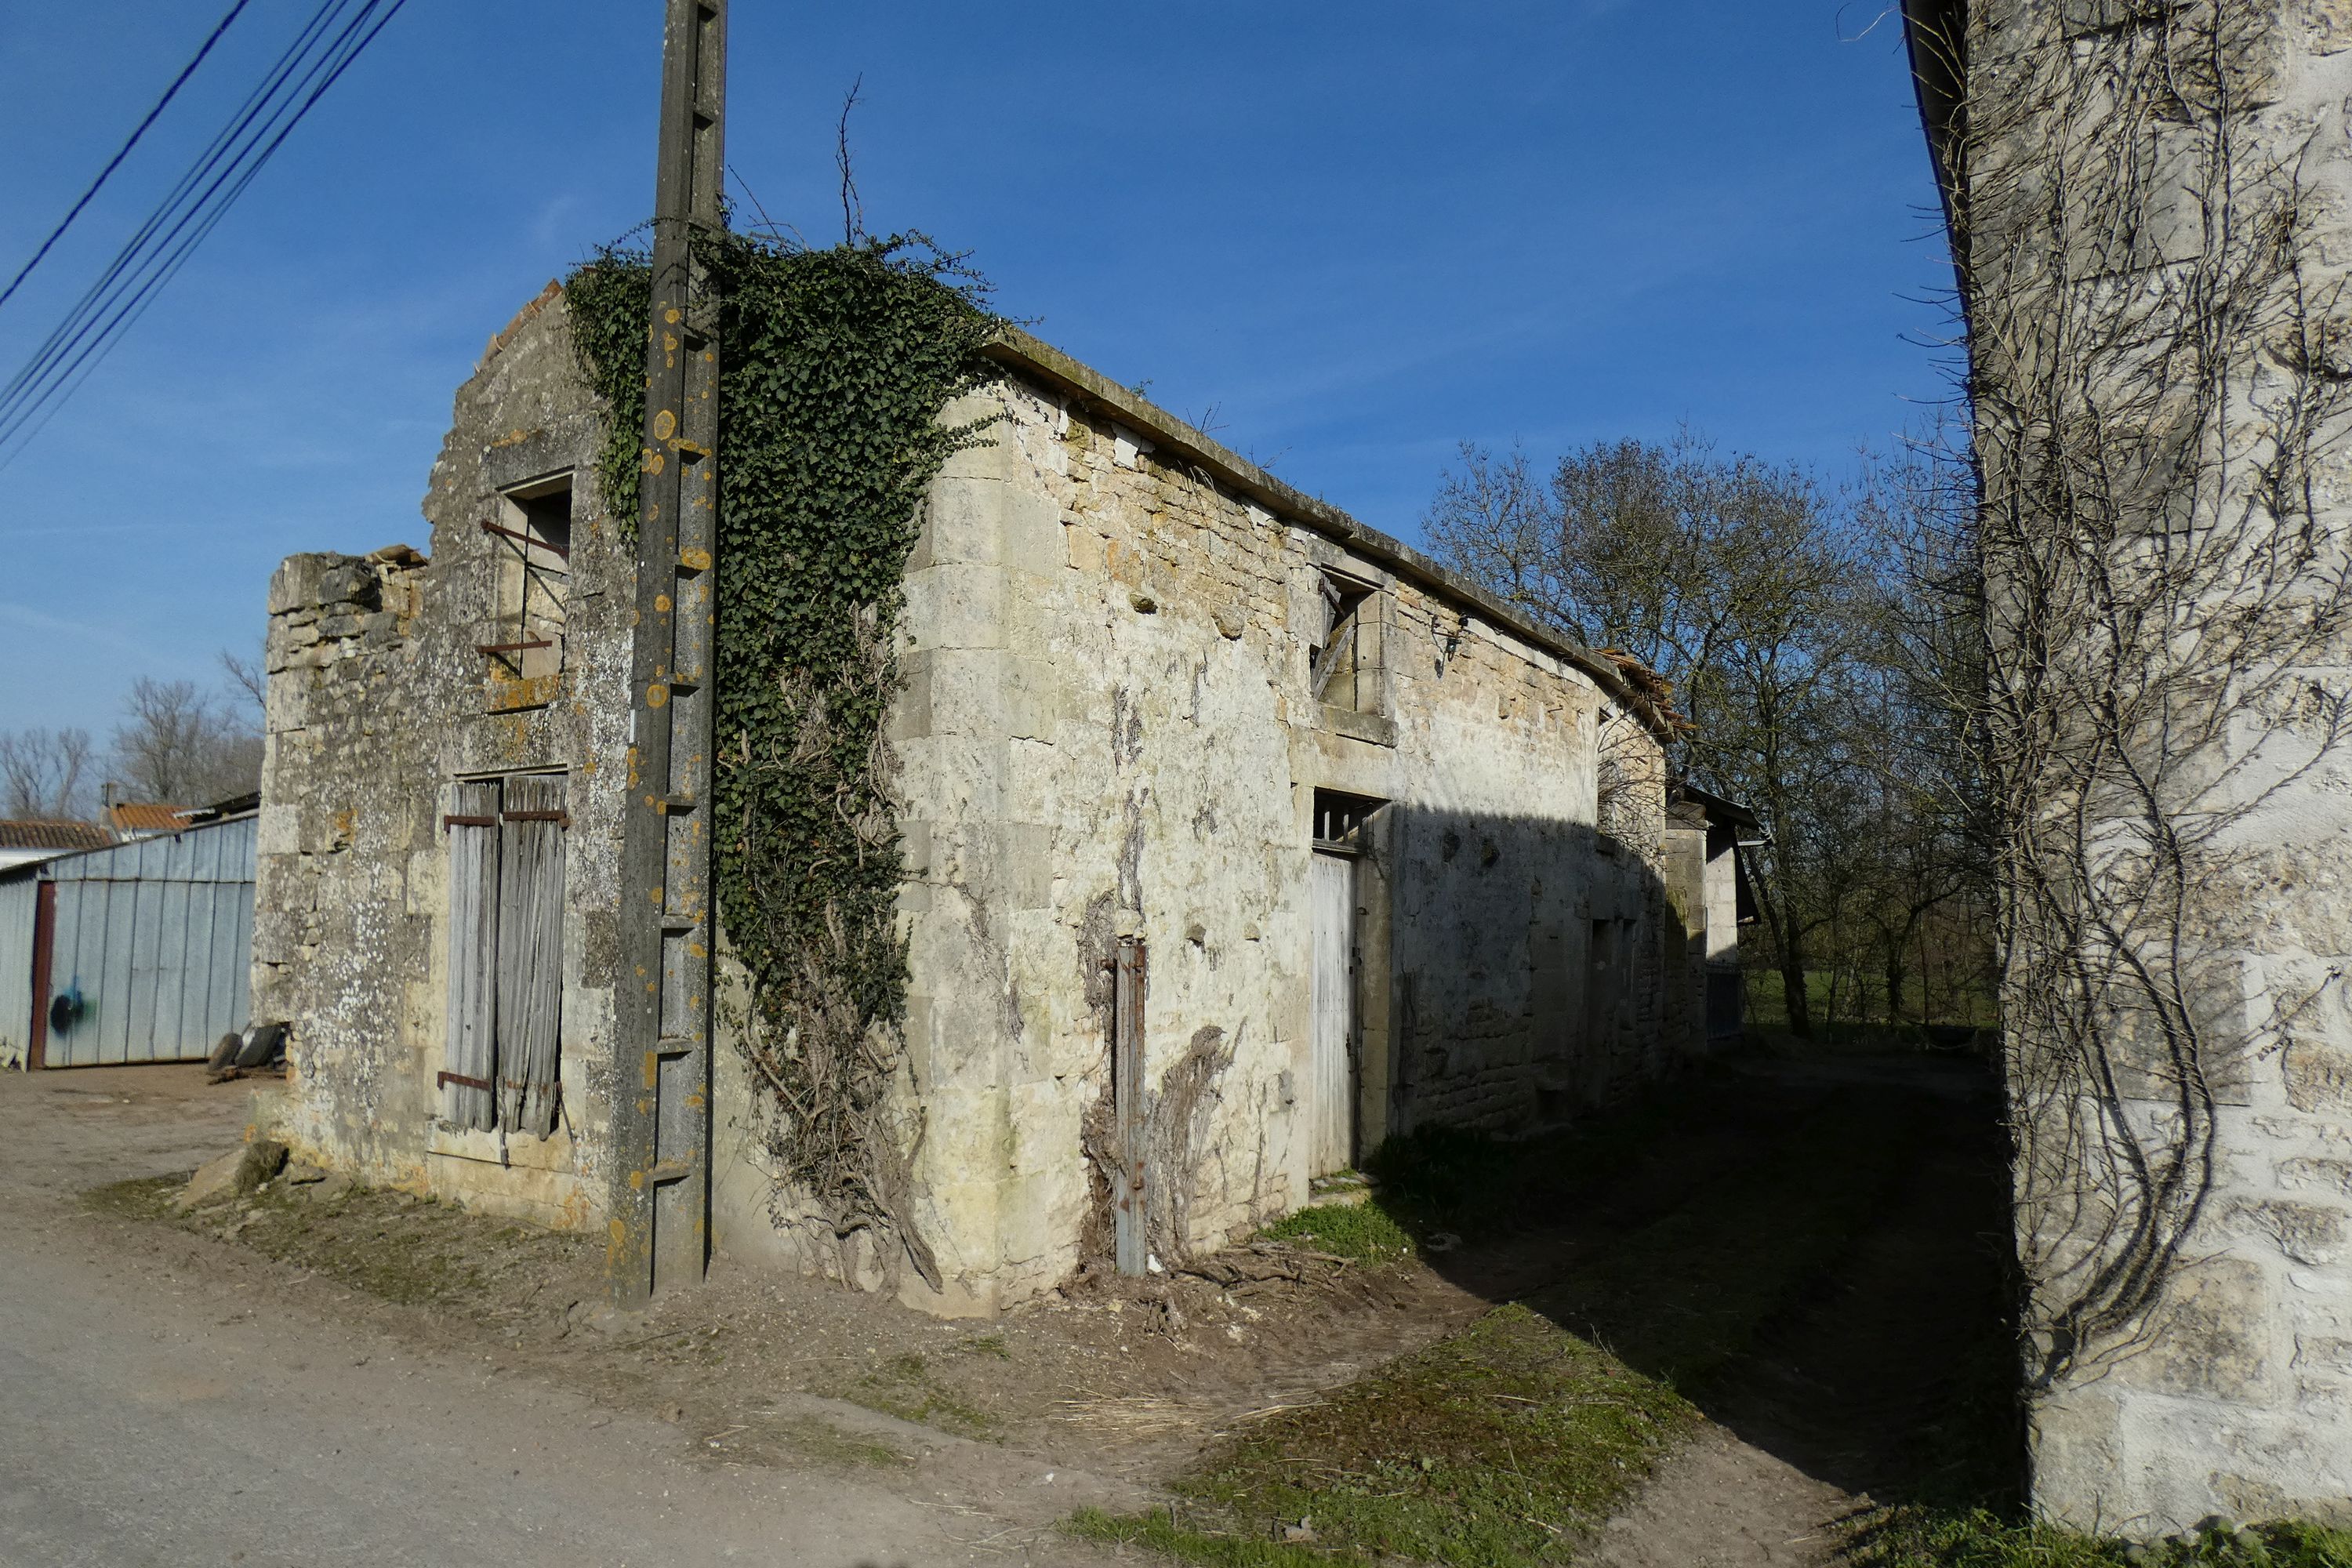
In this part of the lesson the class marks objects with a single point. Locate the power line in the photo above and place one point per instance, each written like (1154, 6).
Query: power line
(173, 250)
(326, 46)
(124, 150)
(135, 255)
(64, 350)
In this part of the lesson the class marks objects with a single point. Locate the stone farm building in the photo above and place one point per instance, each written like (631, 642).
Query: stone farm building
(1398, 855)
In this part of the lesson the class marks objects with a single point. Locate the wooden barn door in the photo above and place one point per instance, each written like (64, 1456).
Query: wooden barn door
(1331, 1097)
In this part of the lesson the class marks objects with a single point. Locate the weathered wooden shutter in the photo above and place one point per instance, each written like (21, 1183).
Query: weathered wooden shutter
(467, 1052)
(531, 952)
(1331, 1101)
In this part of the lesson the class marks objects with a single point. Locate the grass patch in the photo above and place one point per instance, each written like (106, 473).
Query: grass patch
(1366, 1232)
(140, 1198)
(831, 1446)
(1499, 1447)
(905, 1387)
(1159, 1533)
(1917, 1539)
(410, 1251)
(1441, 1178)
(1445, 1170)
(991, 1346)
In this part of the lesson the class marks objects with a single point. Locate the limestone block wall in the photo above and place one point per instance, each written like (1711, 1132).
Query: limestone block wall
(2234, 1394)
(378, 698)
(1110, 730)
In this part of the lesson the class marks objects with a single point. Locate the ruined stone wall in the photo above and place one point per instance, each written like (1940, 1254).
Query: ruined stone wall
(2233, 1394)
(377, 700)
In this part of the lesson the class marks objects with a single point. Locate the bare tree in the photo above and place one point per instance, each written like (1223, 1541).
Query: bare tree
(182, 745)
(45, 772)
(248, 676)
(1747, 586)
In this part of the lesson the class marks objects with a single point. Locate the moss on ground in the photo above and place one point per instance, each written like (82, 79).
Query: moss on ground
(1364, 1233)
(1501, 1446)
(388, 1245)
(416, 1252)
(1911, 1538)
(827, 1445)
(904, 1386)
(140, 1198)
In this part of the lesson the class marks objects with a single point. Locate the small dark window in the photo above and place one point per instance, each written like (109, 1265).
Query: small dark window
(1339, 666)
(1608, 982)
(1343, 821)
(531, 540)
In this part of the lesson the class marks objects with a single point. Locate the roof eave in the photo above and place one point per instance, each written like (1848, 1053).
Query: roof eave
(1935, 33)
(1094, 391)
(1718, 808)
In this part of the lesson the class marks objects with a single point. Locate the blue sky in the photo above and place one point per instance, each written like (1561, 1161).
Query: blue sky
(1361, 233)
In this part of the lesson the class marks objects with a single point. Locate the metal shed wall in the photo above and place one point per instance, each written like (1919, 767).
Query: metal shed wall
(155, 937)
(19, 898)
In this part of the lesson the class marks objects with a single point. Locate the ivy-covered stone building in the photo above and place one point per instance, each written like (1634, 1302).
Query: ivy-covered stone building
(1395, 855)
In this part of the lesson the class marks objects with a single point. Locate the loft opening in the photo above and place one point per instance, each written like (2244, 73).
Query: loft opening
(1343, 822)
(531, 594)
(1339, 665)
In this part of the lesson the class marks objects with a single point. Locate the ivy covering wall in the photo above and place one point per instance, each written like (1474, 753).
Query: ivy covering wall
(834, 368)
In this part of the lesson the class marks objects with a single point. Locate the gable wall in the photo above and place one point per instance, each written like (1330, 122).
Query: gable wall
(378, 699)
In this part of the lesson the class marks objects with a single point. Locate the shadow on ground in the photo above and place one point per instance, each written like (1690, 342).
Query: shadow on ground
(1812, 1249)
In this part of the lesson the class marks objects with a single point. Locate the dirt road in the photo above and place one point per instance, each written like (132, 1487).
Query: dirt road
(163, 1402)
(1804, 1247)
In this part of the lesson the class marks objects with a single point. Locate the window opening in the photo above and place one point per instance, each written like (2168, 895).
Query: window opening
(1343, 822)
(501, 1067)
(531, 539)
(1608, 982)
(1336, 665)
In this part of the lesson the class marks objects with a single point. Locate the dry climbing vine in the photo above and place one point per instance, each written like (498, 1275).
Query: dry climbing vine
(2155, 379)
(835, 366)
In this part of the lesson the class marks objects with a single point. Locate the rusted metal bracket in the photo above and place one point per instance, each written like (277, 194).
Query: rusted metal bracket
(1130, 1228)
(535, 544)
(449, 822)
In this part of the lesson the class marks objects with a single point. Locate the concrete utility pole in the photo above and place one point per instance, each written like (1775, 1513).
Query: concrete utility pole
(661, 1098)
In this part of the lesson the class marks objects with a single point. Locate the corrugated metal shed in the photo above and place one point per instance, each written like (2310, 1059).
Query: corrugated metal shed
(18, 896)
(148, 945)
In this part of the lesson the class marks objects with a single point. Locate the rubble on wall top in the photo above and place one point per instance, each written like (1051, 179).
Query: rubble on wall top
(507, 334)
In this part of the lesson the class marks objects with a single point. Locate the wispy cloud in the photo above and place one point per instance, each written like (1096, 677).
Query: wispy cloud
(111, 637)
